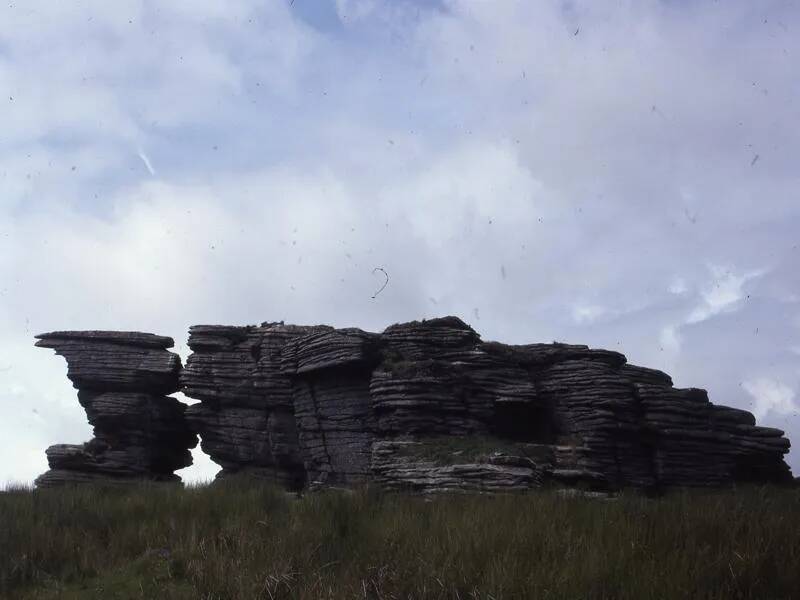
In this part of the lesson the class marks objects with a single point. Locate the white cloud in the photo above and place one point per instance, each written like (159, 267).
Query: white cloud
(670, 340)
(449, 143)
(678, 287)
(202, 469)
(771, 397)
(587, 313)
(722, 294)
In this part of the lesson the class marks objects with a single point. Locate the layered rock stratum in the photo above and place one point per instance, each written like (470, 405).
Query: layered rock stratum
(428, 406)
(122, 379)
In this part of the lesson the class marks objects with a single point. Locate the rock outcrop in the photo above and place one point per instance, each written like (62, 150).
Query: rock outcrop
(122, 380)
(424, 406)
(246, 417)
(428, 406)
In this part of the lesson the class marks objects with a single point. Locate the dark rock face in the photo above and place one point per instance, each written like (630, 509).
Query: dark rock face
(428, 406)
(140, 433)
(246, 415)
(424, 406)
(269, 406)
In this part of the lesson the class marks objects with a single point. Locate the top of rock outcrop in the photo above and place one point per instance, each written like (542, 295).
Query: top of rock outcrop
(116, 361)
(127, 338)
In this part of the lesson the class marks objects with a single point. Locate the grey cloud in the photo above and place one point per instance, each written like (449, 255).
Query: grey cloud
(599, 170)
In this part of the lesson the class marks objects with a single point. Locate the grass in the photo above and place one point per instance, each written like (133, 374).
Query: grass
(247, 541)
(450, 450)
(395, 362)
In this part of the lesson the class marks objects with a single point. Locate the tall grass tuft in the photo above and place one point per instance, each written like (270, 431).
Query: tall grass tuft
(242, 540)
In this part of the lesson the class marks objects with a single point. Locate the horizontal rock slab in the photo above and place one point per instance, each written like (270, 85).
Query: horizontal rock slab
(58, 478)
(341, 348)
(81, 463)
(395, 469)
(127, 361)
(133, 338)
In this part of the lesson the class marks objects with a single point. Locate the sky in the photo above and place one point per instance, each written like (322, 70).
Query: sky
(619, 174)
